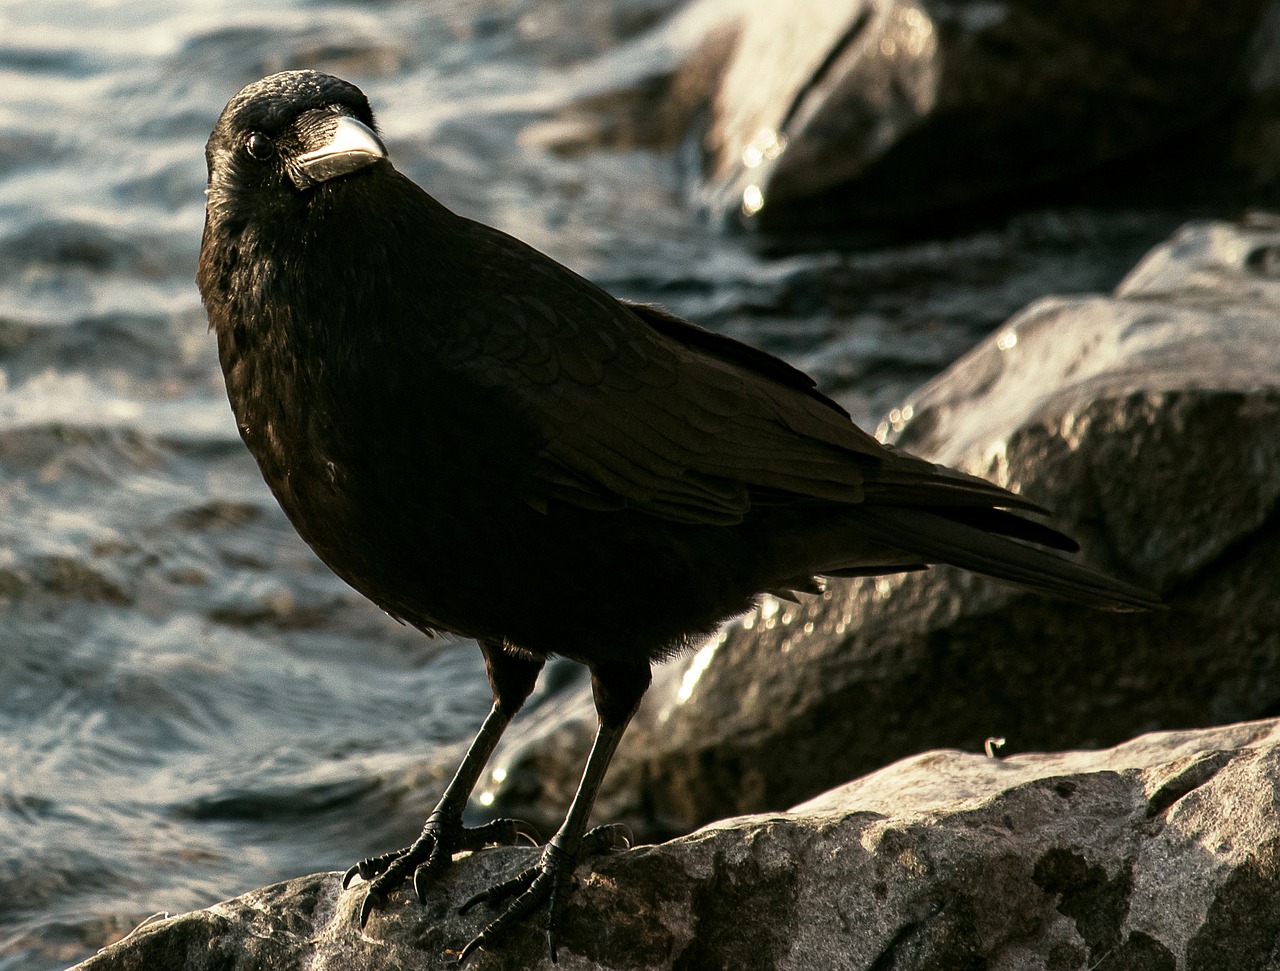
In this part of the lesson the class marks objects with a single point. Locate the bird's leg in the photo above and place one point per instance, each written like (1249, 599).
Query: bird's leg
(512, 679)
(618, 690)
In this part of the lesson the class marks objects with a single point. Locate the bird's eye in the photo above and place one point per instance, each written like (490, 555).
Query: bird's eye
(259, 146)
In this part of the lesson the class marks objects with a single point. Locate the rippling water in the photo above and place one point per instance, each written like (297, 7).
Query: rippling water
(190, 705)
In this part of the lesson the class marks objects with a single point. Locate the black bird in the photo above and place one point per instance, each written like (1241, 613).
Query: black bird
(481, 441)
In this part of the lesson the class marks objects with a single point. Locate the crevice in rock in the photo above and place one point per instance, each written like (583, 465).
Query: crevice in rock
(1199, 772)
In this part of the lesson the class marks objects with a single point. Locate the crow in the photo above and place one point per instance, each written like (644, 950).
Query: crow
(483, 442)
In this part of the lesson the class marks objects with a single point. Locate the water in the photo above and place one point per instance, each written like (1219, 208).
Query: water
(190, 704)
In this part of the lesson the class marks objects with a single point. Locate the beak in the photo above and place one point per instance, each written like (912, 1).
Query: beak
(351, 146)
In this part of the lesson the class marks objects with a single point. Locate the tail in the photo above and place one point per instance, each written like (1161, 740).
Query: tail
(979, 546)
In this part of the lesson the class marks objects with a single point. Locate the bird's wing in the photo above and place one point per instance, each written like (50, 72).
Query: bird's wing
(638, 408)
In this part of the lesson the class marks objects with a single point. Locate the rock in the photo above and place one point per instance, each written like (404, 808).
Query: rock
(1146, 421)
(867, 112)
(878, 114)
(1160, 853)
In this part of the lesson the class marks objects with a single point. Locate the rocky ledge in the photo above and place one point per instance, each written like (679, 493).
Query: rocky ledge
(1159, 853)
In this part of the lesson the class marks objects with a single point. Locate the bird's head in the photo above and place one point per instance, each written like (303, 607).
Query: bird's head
(281, 137)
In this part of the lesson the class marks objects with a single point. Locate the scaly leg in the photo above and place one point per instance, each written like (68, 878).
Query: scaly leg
(618, 690)
(512, 679)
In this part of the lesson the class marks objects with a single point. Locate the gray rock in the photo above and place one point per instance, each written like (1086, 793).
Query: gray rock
(864, 111)
(1160, 853)
(858, 114)
(1147, 421)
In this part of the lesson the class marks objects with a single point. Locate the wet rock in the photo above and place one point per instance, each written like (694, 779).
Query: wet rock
(1146, 420)
(861, 112)
(1163, 852)
(874, 115)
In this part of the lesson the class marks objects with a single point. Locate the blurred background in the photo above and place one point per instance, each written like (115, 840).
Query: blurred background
(190, 705)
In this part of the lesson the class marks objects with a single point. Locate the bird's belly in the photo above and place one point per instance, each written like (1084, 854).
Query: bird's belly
(406, 547)
(465, 559)
(429, 521)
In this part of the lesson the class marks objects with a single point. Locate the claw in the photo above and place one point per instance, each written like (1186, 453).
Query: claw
(550, 881)
(421, 884)
(434, 865)
(370, 867)
(518, 910)
(610, 836)
(504, 890)
(429, 856)
(473, 946)
(503, 832)
(558, 899)
(366, 907)
(521, 828)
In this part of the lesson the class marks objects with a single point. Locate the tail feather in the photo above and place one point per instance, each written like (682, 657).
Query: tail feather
(935, 537)
(1007, 524)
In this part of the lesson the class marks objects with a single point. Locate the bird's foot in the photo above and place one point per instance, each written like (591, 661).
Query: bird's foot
(428, 857)
(549, 882)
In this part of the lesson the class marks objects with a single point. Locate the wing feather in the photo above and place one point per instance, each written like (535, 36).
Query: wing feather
(694, 424)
